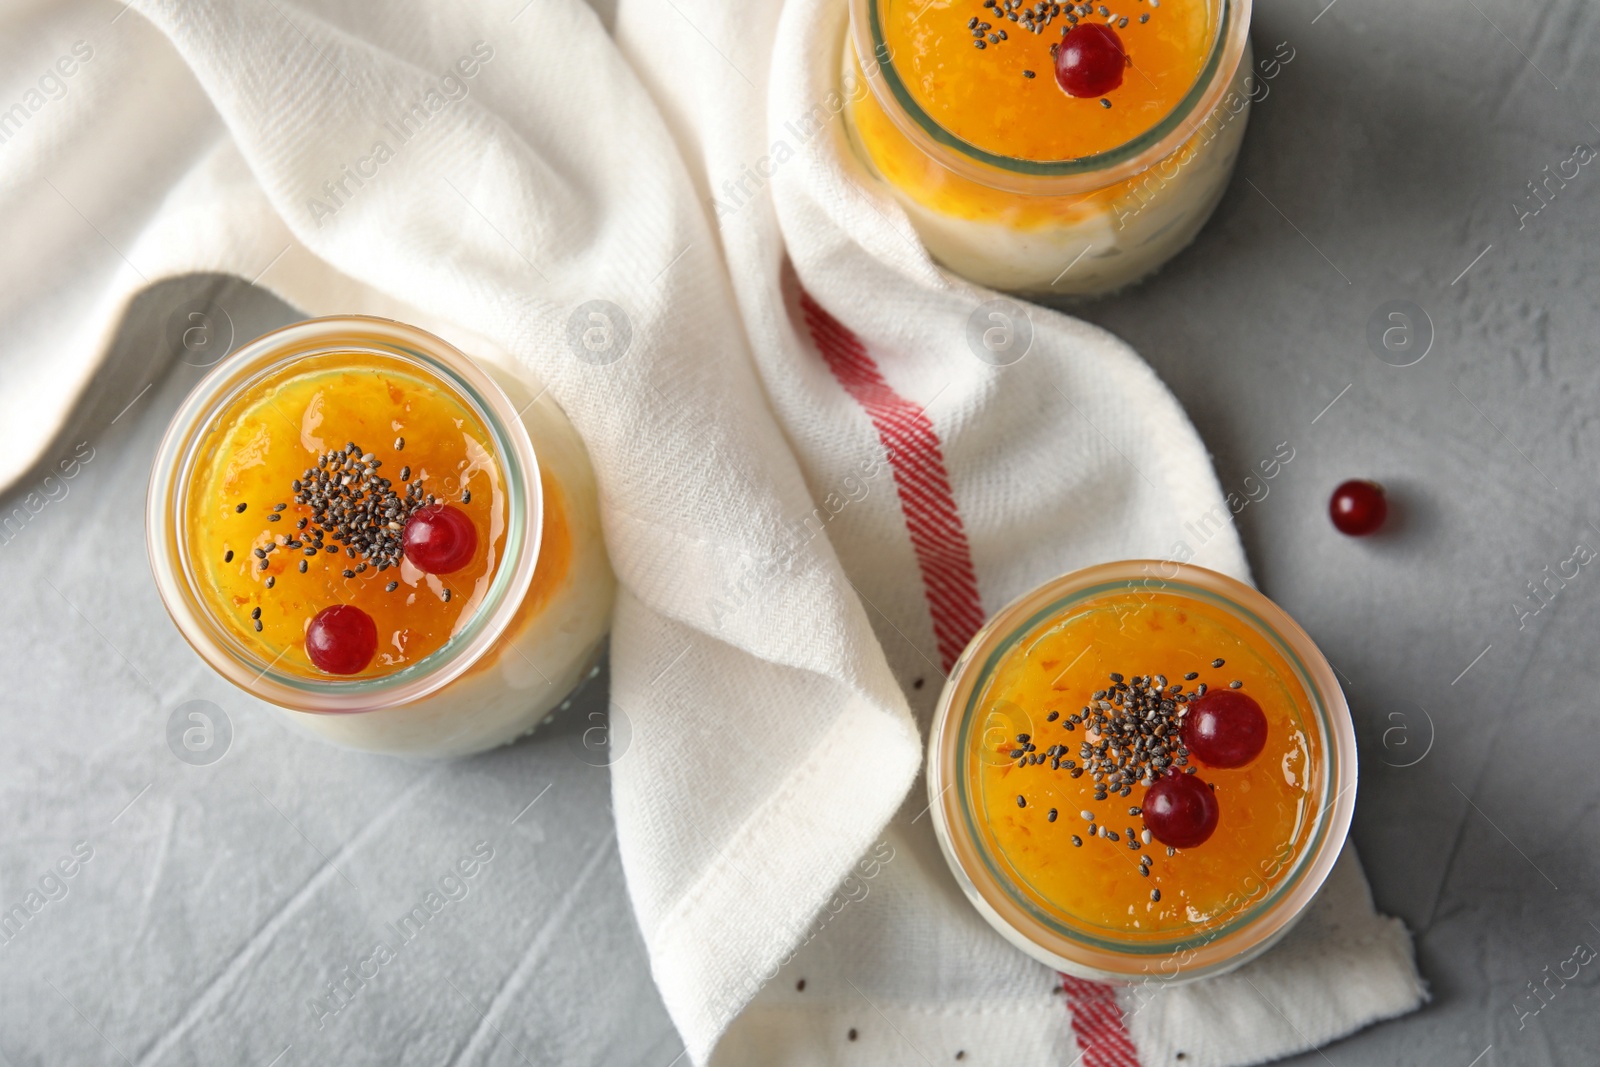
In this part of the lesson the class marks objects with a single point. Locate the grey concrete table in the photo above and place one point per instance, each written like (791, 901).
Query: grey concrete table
(1389, 163)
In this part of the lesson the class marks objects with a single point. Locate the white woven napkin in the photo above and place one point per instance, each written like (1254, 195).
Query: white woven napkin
(810, 500)
(1009, 475)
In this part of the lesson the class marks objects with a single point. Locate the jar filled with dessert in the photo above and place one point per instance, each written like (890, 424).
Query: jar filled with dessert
(401, 549)
(1142, 772)
(1051, 148)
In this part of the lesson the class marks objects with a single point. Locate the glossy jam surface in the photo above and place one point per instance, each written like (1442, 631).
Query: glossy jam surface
(984, 96)
(1265, 810)
(268, 437)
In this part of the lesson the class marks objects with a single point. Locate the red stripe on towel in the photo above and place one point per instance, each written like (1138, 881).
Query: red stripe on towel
(1097, 1024)
(932, 519)
(951, 585)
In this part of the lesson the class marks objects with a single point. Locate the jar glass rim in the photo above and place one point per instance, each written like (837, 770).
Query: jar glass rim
(1049, 177)
(197, 418)
(1206, 950)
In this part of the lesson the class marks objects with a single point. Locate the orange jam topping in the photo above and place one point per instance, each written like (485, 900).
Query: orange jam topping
(251, 529)
(1065, 685)
(1004, 98)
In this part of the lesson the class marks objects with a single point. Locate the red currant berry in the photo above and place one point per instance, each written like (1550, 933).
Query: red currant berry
(1225, 728)
(341, 639)
(1358, 507)
(1180, 810)
(1090, 60)
(440, 539)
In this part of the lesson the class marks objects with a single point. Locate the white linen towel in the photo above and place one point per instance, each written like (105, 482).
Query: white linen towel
(812, 488)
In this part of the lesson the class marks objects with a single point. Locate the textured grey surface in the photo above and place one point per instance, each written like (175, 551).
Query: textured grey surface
(1387, 157)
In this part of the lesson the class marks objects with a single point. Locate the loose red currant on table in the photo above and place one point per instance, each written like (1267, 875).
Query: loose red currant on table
(341, 639)
(1090, 60)
(1180, 810)
(439, 539)
(1224, 728)
(1358, 507)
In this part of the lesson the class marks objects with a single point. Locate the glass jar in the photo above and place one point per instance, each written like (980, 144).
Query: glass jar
(538, 629)
(1239, 900)
(1072, 227)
